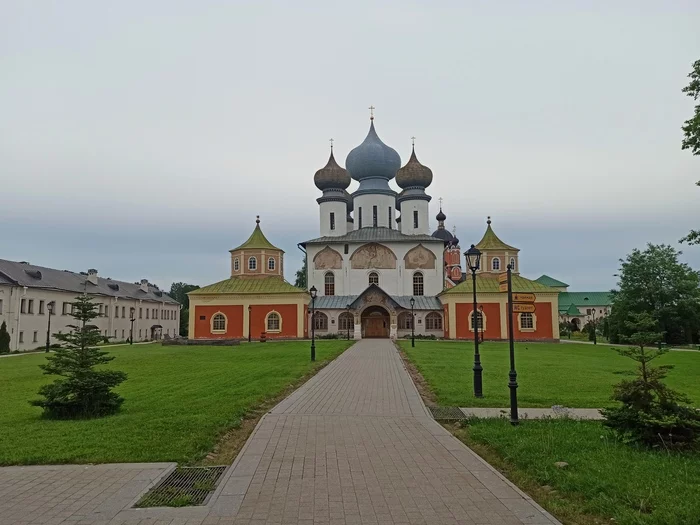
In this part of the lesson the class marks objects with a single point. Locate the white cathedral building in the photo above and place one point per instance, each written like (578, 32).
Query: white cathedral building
(376, 251)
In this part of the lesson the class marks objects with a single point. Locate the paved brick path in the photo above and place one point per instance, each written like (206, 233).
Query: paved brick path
(354, 445)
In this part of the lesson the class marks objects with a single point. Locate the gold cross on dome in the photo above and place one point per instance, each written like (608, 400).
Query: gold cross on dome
(371, 112)
(331, 141)
(413, 141)
(440, 199)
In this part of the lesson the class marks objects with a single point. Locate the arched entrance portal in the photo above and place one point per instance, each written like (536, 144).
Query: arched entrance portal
(375, 322)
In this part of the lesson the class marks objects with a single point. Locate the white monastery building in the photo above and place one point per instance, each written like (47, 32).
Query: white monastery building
(27, 292)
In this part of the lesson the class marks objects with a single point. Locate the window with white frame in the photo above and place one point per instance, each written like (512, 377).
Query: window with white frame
(373, 278)
(495, 263)
(329, 283)
(527, 321)
(479, 321)
(274, 322)
(405, 320)
(320, 321)
(236, 264)
(218, 323)
(433, 321)
(252, 264)
(512, 263)
(418, 283)
(271, 263)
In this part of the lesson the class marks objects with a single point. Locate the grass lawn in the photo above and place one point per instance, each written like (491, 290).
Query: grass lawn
(573, 375)
(605, 478)
(179, 401)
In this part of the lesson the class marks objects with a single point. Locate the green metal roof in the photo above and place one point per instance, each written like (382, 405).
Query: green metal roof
(488, 283)
(579, 299)
(551, 281)
(490, 241)
(257, 241)
(241, 285)
(369, 234)
(570, 310)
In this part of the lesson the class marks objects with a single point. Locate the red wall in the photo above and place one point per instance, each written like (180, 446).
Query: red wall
(288, 312)
(543, 311)
(202, 327)
(492, 313)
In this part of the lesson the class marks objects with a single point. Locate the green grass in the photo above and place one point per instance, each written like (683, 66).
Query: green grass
(605, 478)
(573, 375)
(179, 401)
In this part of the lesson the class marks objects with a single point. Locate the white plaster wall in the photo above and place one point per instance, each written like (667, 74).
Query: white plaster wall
(340, 211)
(28, 324)
(397, 281)
(383, 203)
(407, 209)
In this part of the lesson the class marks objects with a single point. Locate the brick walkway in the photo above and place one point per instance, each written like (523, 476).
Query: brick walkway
(354, 445)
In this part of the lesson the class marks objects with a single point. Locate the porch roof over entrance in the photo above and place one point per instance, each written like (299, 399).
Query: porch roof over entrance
(340, 302)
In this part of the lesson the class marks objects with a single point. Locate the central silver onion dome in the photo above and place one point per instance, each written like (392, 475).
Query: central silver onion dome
(373, 159)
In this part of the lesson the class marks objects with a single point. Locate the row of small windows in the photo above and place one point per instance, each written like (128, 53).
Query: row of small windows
(526, 321)
(273, 322)
(372, 278)
(433, 321)
(496, 263)
(35, 334)
(27, 307)
(253, 264)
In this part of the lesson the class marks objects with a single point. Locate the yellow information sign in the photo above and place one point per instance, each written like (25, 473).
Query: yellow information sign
(503, 287)
(524, 298)
(503, 277)
(521, 308)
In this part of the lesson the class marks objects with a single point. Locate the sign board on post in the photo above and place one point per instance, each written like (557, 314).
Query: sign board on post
(503, 277)
(503, 287)
(524, 298)
(521, 308)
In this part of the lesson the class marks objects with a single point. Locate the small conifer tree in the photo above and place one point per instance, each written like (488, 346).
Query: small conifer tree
(4, 339)
(650, 413)
(83, 392)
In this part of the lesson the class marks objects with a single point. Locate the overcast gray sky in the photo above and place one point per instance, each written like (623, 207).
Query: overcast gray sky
(142, 138)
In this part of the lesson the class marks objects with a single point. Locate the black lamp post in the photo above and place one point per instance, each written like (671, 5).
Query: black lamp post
(312, 293)
(250, 309)
(347, 320)
(413, 322)
(473, 256)
(132, 311)
(481, 311)
(50, 308)
(595, 336)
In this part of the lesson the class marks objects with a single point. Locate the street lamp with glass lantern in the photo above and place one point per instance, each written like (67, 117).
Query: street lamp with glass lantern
(312, 293)
(132, 312)
(595, 336)
(473, 255)
(413, 322)
(50, 308)
(250, 309)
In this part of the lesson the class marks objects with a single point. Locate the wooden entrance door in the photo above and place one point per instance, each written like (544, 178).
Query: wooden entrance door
(376, 327)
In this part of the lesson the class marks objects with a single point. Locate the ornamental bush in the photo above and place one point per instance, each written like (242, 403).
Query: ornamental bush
(84, 392)
(651, 413)
(4, 339)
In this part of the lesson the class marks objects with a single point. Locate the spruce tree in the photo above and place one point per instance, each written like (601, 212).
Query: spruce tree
(83, 392)
(4, 339)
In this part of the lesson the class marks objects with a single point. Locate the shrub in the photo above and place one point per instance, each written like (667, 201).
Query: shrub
(331, 336)
(4, 339)
(651, 413)
(84, 392)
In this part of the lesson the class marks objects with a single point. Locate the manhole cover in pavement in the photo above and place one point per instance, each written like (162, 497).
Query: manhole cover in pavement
(447, 413)
(185, 486)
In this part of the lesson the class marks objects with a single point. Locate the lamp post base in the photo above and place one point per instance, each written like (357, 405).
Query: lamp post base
(478, 369)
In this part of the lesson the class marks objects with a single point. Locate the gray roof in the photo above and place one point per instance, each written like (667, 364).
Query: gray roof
(379, 233)
(31, 276)
(340, 302)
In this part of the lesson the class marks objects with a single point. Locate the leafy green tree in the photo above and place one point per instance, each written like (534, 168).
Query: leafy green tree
(300, 281)
(650, 413)
(691, 132)
(653, 281)
(83, 392)
(4, 339)
(179, 291)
